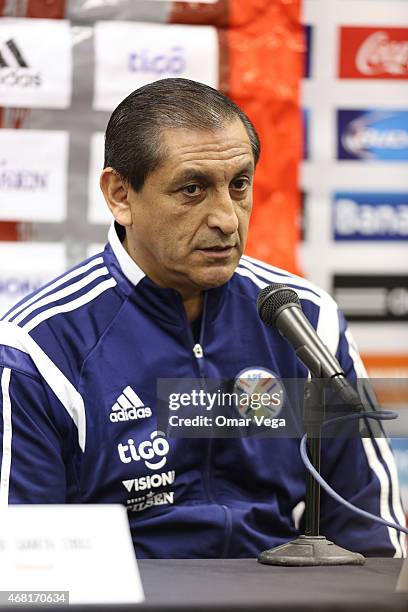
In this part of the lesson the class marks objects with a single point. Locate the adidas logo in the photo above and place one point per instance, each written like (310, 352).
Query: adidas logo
(129, 407)
(13, 53)
(15, 71)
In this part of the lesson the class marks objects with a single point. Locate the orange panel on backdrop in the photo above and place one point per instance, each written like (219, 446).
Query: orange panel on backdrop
(386, 366)
(265, 61)
(389, 377)
(261, 54)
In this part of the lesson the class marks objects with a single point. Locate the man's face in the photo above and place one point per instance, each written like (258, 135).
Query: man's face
(190, 219)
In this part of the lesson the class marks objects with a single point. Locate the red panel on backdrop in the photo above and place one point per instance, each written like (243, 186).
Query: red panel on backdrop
(373, 53)
(9, 231)
(262, 48)
(45, 9)
(196, 13)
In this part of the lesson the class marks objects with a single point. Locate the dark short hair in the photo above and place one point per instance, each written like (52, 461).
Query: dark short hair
(132, 140)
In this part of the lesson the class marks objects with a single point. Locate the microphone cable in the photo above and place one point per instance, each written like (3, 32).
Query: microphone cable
(379, 415)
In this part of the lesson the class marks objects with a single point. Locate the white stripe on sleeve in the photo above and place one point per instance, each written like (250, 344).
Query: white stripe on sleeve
(70, 398)
(69, 306)
(375, 464)
(304, 294)
(7, 436)
(58, 295)
(382, 476)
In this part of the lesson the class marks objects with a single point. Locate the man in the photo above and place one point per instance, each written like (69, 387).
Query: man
(173, 297)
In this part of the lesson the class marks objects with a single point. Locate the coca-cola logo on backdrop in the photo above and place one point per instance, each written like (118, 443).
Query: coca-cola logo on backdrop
(373, 53)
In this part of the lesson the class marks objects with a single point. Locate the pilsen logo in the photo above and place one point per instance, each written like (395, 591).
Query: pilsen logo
(14, 68)
(373, 53)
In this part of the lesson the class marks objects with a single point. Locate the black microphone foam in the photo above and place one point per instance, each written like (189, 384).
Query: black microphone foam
(279, 306)
(272, 299)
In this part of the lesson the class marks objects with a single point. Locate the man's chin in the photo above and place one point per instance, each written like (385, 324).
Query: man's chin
(213, 276)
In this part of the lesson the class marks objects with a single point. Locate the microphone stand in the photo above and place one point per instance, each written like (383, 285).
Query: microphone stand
(311, 548)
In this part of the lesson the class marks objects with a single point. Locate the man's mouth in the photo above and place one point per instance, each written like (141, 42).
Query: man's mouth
(217, 251)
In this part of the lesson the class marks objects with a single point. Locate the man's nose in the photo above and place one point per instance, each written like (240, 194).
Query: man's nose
(222, 214)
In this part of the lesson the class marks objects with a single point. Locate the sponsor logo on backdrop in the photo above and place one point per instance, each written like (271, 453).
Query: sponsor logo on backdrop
(129, 55)
(14, 69)
(35, 63)
(17, 278)
(16, 287)
(21, 179)
(372, 297)
(33, 175)
(370, 216)
(13, 287)
(372, 135)
(18, 60)
(373, 53)
(170, 62)
(308, 37)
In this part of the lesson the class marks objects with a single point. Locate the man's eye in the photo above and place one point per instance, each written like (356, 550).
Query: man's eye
(240, 184)
(192, 190)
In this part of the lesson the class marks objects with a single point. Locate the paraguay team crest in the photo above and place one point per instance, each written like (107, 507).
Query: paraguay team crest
(260, 392)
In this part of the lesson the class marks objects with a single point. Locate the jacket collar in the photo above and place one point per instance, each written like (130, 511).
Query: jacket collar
(129, 267)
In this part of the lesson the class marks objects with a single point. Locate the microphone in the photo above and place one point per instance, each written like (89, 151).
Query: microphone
(279, 306)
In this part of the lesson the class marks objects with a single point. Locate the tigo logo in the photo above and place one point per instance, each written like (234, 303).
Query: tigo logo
(171, 63)
(129, 55)
(129, 407)
(370, 216)
(372, 134)
(373, 53)
(147, 450)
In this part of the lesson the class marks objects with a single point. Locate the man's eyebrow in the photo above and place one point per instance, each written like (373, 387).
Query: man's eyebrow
(247, 169)
(191, 174)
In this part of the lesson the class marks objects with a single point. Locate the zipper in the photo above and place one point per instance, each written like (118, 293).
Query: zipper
(198, 353)
(199, 360)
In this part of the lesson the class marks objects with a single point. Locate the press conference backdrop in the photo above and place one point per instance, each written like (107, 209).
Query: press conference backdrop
(331, 75)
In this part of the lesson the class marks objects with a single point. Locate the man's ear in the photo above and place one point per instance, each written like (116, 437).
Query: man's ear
(115, 191)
